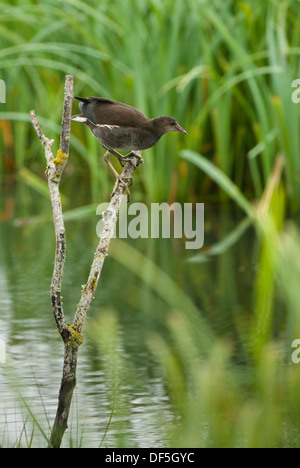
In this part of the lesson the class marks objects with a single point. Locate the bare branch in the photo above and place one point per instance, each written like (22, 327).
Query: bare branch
(66, 116)
(55, 167)
(109, 218)
(71, 334)
(44, 140)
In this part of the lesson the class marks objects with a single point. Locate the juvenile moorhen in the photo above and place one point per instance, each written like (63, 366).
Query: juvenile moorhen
(119, 126)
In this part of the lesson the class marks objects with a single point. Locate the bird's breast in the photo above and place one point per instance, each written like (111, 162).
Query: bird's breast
(124, 138)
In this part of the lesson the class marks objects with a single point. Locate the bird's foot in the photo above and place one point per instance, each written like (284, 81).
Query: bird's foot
(126, 182)
(140, 159)
(135, 155)
(128, 157)
(123, 160)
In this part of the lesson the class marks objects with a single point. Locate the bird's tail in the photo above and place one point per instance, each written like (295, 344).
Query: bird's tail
(85, 101)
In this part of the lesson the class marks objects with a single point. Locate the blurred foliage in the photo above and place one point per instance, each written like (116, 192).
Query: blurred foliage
(224, 70)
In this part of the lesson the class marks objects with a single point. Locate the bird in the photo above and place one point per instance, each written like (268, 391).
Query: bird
(121, 127)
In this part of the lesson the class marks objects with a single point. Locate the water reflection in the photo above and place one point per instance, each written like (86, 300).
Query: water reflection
(141, 407)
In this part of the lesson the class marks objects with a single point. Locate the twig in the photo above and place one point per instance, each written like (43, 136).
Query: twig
(109, 218)
(66, 117)
(59, 228)
(55, 167)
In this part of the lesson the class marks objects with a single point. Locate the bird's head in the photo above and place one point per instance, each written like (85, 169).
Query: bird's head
(167, 124)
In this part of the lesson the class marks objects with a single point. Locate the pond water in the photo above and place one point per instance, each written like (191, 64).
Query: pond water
(126, 303)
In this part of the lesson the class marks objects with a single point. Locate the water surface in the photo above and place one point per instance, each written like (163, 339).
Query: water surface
(131, 384)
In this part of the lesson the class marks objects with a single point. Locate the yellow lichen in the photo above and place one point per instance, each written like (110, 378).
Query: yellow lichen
(94, 283)
(60, 158)
(75, 339)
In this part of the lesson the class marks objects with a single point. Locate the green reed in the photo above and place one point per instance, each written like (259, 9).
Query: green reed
(223, 69)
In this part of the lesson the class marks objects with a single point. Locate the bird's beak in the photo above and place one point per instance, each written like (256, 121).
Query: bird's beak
(180, 129)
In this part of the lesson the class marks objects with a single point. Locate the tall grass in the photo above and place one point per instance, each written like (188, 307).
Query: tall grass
(223, 69)
(240, 388)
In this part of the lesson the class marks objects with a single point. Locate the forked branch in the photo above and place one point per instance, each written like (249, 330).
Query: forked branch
(71, 333)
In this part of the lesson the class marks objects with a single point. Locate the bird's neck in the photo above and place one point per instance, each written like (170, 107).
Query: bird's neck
(156, 126)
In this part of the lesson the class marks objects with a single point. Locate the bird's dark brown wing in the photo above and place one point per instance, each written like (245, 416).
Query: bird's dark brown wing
(107, 112)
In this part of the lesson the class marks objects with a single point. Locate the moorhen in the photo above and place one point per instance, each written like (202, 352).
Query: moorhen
(119, 126)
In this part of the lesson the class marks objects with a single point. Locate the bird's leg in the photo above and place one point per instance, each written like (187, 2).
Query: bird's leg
(120, 157)
(120, 180)
(127, 157)
(133, 154)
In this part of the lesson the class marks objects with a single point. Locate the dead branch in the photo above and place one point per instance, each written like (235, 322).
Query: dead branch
(71, 333)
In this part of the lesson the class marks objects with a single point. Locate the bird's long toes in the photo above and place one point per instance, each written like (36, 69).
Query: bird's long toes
(123, 161)
(126, 182)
